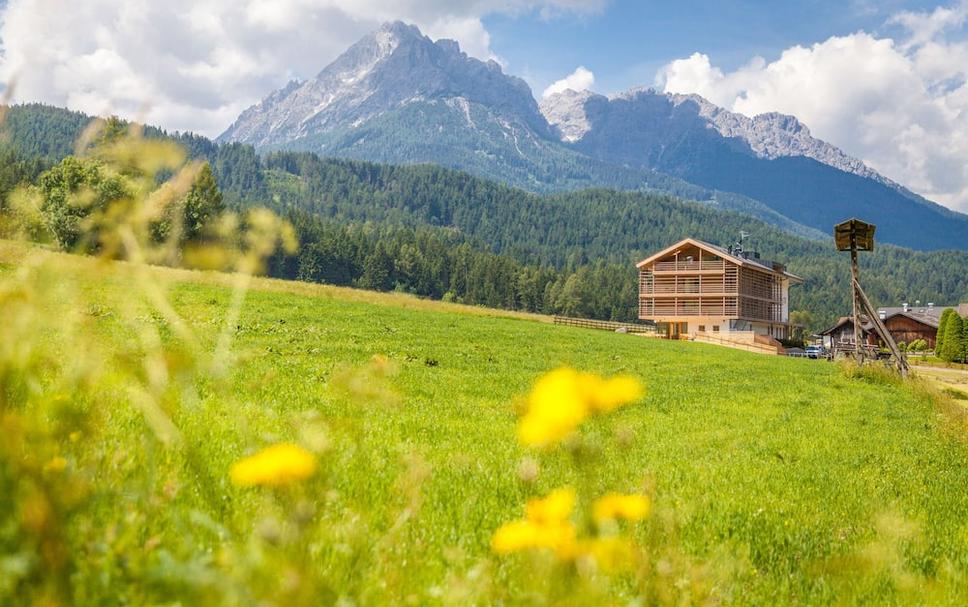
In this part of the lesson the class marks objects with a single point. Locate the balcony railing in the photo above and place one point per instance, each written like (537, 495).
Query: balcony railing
(717, 287)
(681, 266)
(657, 307)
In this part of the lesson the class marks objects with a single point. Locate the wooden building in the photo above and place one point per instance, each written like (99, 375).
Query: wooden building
(905, 323)
(694, 287)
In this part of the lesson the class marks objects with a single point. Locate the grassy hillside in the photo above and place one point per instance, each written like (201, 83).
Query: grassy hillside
(773, 480)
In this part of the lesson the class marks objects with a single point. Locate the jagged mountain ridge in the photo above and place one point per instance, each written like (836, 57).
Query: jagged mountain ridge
(390, 68)
(771, 135)
(398, 97)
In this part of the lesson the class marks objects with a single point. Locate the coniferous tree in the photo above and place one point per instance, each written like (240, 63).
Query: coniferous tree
(202, 204)
(377, 270)
(964, 340)
(953, 348)
(942, 327)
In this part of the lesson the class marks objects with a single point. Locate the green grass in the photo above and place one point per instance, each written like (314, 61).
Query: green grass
(783, 481)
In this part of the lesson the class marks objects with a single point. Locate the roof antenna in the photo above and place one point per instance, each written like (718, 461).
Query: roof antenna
(738, 247)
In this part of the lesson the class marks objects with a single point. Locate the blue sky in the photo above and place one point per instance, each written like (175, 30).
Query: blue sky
(627, 42)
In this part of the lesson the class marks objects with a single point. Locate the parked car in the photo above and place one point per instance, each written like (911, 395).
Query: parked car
(816, 352)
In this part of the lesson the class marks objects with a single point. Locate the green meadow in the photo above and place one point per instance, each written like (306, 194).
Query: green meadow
(772, 480)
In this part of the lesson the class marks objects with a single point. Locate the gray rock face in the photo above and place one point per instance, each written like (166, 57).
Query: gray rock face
(771, 135)
(568, 111)
(385, 70)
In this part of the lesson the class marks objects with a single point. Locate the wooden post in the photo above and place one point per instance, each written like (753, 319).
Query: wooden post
(885, 335)
(854, 273)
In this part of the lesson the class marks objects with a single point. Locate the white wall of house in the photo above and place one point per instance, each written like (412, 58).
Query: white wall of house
(708, 325)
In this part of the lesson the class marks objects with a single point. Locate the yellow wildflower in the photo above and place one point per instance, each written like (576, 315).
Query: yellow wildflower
(556, 406)
(555, 508)
(615, 392)
(546, 525)
(562, 399)
(524, 534)
(275, 466)
(514, 536)
(57, 464)
(614, 506)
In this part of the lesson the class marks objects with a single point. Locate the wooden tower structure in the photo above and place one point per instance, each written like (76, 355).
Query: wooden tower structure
(855, 235)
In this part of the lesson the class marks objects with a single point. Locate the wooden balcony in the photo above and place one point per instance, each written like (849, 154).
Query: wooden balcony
(725, 305)
(689, 266)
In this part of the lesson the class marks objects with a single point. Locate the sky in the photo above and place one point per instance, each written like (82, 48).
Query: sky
(885, 81)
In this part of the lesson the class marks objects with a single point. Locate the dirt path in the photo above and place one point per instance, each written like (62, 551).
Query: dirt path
(954, 381)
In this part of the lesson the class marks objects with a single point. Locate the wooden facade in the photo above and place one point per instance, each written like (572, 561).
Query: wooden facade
(905, 324)
(694, 287)
(907, 329)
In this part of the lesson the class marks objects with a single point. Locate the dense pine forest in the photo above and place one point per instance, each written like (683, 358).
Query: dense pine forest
(442, 233)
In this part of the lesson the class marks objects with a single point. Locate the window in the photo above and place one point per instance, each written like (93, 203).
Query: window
(715, 328)
(702, 328)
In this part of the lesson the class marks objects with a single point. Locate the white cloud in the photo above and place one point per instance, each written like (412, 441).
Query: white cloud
(902, 107)
(925, 27)
(579, 80)
(195, 64)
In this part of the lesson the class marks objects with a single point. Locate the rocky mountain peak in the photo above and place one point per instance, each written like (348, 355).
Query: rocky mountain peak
(568, 113)
(387, 69)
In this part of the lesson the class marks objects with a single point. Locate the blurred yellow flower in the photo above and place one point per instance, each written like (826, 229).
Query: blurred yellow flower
(514, 536)
(615, 506)
(555, 508)
(57, 464)
(545, 525)
(274, 466)
(556, 406)
(562, 399)
(615, 392)
(523, 535)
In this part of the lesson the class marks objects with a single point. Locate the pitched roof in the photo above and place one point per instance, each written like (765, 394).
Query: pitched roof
(924, 319)
(720, 251)
(865, 325)
(922, 314)
(928, 315)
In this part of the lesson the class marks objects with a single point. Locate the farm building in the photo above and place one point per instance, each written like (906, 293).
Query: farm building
(905, 323)
(697, 289)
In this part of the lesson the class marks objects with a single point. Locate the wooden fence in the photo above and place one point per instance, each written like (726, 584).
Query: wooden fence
(748, 341)
(606, 325)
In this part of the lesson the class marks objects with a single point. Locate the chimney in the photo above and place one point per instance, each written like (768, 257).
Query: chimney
(882, 314)
(930, 305)
(904, 306)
